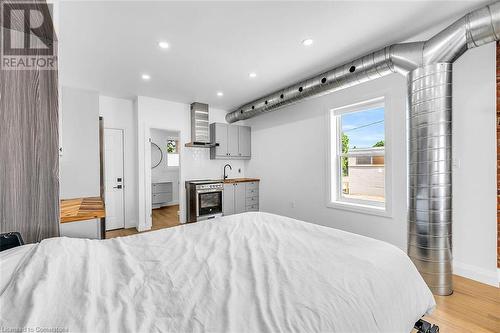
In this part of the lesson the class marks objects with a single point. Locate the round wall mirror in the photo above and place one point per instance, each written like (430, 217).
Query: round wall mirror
(156, 155)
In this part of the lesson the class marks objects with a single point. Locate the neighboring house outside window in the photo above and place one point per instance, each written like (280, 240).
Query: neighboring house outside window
(366, 174)
(173, 153)
(357, 163)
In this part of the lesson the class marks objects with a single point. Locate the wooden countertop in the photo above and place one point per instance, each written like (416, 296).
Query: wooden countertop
(240, 180)
(81, 209)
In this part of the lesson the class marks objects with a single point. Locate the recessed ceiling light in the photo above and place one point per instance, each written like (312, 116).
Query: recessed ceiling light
(146, 77)
(163, 45)
(252, 75)
(220, 93)
(307, 42)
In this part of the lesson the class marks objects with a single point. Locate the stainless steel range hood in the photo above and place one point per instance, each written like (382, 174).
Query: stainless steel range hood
(200, 136)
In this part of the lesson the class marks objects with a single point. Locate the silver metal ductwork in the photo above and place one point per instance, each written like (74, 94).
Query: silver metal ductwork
(428, 66)
(429, 215)
(472, 30)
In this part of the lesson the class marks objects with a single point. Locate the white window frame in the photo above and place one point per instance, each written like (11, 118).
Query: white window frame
(334, 197)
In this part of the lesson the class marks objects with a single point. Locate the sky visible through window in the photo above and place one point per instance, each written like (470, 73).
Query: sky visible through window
(364, 128)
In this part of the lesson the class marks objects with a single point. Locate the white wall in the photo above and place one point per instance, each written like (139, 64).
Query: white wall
(79, 163)
(164, 173)
(290, 157)
(195, 162)
(474, 177)
(119, 113)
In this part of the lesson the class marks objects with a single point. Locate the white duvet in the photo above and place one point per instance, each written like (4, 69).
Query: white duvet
(253, 272)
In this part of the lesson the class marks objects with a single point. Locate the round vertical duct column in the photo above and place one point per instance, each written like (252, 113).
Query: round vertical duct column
(430, 174)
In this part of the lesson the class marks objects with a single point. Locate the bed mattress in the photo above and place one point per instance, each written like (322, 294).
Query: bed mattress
(252, 272)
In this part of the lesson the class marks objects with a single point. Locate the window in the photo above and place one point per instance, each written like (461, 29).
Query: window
(172, 153)
(358, 174)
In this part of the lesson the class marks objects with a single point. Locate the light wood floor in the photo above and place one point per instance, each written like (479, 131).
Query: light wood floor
(165, 217)
(472, 308)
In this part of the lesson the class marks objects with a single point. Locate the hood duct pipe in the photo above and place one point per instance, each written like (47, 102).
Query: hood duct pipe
(428, 66)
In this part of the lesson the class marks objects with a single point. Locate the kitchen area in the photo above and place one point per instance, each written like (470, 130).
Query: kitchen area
(196, 171)
(211, 198)
(208, 199)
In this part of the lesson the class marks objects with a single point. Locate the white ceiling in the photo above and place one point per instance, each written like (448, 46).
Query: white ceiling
(106, 46)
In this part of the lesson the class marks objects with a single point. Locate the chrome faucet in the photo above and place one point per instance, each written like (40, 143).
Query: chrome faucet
(230, 168)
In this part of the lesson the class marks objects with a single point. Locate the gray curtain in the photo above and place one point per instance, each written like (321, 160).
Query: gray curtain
(29, 159)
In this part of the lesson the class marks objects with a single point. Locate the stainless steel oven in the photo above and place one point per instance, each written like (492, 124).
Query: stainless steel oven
(204, 199)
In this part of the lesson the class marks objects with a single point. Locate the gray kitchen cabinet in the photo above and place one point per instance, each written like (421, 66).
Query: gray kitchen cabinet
(244, 138)
(233, 142)
(252, 196)
(218, 134)
(240, 197)
(161, 194)
(228, 199)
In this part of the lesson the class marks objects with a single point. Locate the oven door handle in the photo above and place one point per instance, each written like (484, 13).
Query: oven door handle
(209, 191)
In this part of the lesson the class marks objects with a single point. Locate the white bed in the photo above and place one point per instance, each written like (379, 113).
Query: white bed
(253, 272)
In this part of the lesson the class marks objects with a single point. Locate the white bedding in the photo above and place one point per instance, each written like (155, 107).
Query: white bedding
(10, 261)
(253, 272)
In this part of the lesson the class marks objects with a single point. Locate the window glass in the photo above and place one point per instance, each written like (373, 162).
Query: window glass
(360, 135)
(173, 153)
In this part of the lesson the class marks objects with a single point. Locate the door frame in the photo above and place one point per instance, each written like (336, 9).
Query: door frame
(148, 212)
(124, 188)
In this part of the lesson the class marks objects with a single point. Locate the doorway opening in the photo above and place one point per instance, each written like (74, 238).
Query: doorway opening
(165, 178)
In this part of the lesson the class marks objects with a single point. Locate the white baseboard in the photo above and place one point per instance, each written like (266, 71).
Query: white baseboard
(477, 273)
